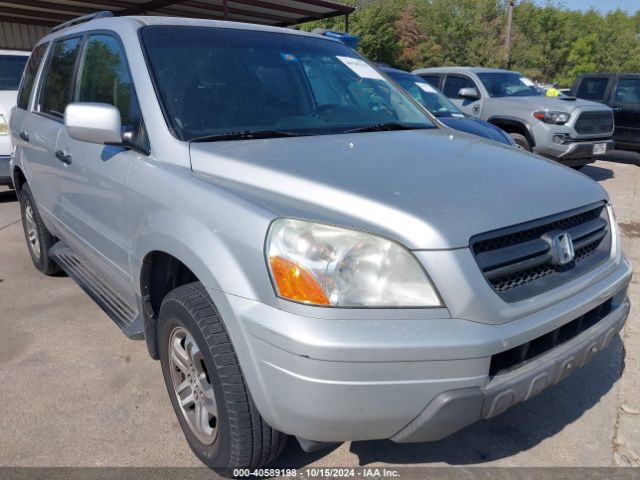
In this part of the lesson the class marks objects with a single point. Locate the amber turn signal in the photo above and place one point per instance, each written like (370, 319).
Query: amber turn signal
(296, 283)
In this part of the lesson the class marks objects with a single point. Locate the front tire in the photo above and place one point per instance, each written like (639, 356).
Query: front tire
(39, 239)
(521, 140)
(207, 388)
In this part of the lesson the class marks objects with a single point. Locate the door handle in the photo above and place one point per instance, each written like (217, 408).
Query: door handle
(24, 136)
(66, 159)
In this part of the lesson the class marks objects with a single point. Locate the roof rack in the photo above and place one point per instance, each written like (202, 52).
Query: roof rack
(84, 18)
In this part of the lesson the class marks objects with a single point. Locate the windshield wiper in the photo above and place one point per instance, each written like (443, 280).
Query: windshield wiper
(385, 127)
(245, 135)
(443, 114)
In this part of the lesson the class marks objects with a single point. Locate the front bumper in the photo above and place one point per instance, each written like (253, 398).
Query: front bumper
(584, 150)
(375, 377)
(450, 411)
(574, 153)
(5, 170)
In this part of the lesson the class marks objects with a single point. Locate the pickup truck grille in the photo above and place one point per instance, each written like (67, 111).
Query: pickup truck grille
(520, 262)
(593, 123)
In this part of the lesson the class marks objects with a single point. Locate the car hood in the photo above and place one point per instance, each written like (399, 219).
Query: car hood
(7, 102)
(428, 189)
(475, 126)
(548, 103)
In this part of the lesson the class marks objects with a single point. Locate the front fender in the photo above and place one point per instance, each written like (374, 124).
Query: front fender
(211, 257)
(217, 234)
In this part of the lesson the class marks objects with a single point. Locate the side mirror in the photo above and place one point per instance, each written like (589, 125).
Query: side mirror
(93, 123)
(469, 92)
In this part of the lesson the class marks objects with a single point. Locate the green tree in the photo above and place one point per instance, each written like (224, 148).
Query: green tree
(549, 42)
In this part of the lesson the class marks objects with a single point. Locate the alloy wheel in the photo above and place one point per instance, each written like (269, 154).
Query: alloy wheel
(192, 385)
(33, 236)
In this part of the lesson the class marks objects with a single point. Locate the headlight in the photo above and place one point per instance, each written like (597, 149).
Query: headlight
(559, 118)
(323, 265)
(4, 127)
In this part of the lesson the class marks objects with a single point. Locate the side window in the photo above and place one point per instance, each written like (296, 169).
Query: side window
(433, 80)
(29, 75)
(105, 77)
(56, 90)
(628, 90)
(593, 88)
(453, 84)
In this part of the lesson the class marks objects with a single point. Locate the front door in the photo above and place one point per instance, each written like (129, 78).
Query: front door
(452, 86)
(626, 103)
(92, 177)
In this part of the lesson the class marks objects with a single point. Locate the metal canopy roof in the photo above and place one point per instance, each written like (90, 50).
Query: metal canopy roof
(267, 12)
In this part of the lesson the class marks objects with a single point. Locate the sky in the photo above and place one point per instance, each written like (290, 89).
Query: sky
(630, 6)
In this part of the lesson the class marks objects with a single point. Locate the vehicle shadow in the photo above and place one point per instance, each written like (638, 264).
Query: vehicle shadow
(598, 173)
(519, 429)
(7, 196)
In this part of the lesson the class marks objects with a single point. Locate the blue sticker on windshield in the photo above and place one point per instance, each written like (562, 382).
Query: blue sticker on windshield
(289, 57)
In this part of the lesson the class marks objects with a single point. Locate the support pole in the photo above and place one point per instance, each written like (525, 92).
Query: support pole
(509, 28)
(226, 9)
(346, 23)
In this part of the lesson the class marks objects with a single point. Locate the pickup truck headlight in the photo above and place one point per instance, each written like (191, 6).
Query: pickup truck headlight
(4, 126)
(559, 118)
(324, 265)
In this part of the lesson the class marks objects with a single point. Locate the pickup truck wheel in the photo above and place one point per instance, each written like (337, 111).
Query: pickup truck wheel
(207, 388)
(39, 240)
(521, 140)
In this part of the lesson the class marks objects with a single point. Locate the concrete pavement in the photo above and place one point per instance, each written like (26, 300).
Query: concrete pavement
(76, 392)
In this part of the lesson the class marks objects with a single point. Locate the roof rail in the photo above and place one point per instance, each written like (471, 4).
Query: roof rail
(84, 18)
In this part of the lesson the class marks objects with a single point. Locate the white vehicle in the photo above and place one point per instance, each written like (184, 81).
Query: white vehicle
(12, 64)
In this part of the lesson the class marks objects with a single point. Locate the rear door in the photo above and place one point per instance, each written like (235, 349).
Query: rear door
(625, 100)
(38, 132)
(432, 79)
(92, 179)
(453, 83)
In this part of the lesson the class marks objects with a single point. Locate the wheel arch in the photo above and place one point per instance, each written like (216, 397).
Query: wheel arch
(185, 251)
(19, 178)
(160, 273)
(513, 125)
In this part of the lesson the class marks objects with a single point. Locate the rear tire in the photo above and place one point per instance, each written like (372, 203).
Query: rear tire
(226, 430)
(39, 239)
(521, 140)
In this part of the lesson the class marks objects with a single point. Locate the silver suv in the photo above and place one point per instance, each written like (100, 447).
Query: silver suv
(298, 243)
(572, 131)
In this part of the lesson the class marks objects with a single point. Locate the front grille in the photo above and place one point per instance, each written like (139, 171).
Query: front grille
(518, 262)
(518, 356)
(593, 123)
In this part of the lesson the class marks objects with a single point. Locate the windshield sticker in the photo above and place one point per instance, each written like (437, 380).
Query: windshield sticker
(426, 87)
(360, 68)
(527, 82)
(289, 57)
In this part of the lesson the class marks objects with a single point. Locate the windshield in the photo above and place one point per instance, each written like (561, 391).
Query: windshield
(214, 81)
(432, 99)
(509, 84)
(11, 67)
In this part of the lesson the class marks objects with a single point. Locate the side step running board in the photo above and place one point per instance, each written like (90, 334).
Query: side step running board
(123, 313)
